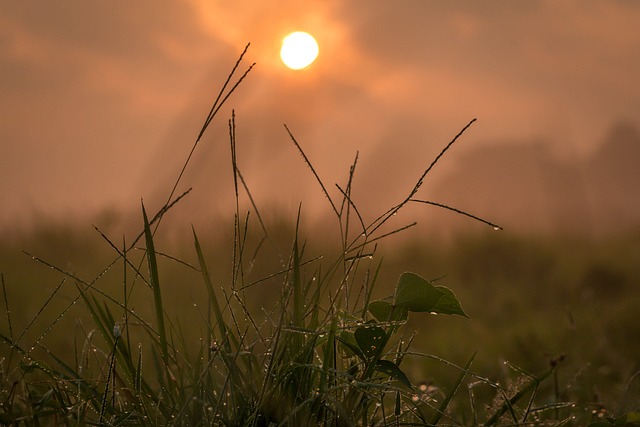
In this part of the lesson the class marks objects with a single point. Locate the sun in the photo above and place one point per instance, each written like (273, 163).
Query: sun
(299, 50)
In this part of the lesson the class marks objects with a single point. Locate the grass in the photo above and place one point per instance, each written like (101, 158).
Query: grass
(311, 334)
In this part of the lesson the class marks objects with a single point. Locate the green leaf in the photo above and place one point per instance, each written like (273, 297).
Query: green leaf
(448, 304)
(389, 368)
(630, 419)
(370, 340)
(416, 293)
(384, 311)
(350, 346)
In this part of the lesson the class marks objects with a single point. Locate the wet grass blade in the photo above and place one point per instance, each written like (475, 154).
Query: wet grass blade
(296, 282)
(154, 281)
(213, 300)
(454, 389)
(508, 404)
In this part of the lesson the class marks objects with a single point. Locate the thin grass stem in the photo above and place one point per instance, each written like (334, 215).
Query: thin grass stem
(458, 211)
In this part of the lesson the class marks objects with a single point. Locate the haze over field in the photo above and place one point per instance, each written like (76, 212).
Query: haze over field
(102, 101)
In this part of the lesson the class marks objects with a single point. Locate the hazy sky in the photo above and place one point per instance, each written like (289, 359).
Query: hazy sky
(101, 101)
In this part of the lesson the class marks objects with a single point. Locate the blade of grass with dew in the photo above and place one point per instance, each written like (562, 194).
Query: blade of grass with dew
(88, 391)
(154, 280)
(445, 403)
(8, 313)
(314, 300)
(369, 291)
(101, 320)
(508, 404)
(382, 219)
(298, 303)
(458, 211)
(88, 285)
(274, 357)
(329, 357)
(347, 204)
(218, 103)
(227, 335)
(308, 162)
(110, 372)
(33, 320)
(213, 300)
(347, 197)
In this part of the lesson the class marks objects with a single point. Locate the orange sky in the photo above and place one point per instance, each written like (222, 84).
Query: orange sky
(101, 101)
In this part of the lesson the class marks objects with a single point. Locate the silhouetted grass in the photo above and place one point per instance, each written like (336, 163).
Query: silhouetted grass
(293, 337)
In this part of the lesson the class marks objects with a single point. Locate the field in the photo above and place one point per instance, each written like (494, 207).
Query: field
(530, 300)
(264, 320)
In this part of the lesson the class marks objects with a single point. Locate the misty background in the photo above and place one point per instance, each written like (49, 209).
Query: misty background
(101, 103)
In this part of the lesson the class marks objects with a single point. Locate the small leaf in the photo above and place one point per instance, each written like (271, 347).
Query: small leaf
(394, 371)
(350, 346)
(448, 304)
(384, 311)
(371, 340)
(630, 419)
(416, 293)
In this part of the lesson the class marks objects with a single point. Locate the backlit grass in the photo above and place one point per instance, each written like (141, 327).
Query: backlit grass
(279, 325)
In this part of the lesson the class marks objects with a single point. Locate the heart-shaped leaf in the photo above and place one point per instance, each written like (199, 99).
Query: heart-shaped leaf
(371, 340)
(416, 293)
(384, 311)
(448, 304)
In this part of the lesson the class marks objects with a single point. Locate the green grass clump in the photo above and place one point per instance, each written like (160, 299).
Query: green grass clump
(324, 351)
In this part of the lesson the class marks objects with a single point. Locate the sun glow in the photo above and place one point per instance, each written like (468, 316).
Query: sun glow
(299, 50)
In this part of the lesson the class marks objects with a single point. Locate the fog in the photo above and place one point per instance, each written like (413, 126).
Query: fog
(101, 104)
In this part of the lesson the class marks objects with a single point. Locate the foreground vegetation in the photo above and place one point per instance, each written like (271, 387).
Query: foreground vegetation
(275, 325)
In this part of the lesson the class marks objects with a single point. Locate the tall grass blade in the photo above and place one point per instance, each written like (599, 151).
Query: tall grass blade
(213, 300)
(308, 162)
(47, 302)
(382, 219)
(296, 282)
(453, 391)
(8, 313)
(154, 280)
(217, 104)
